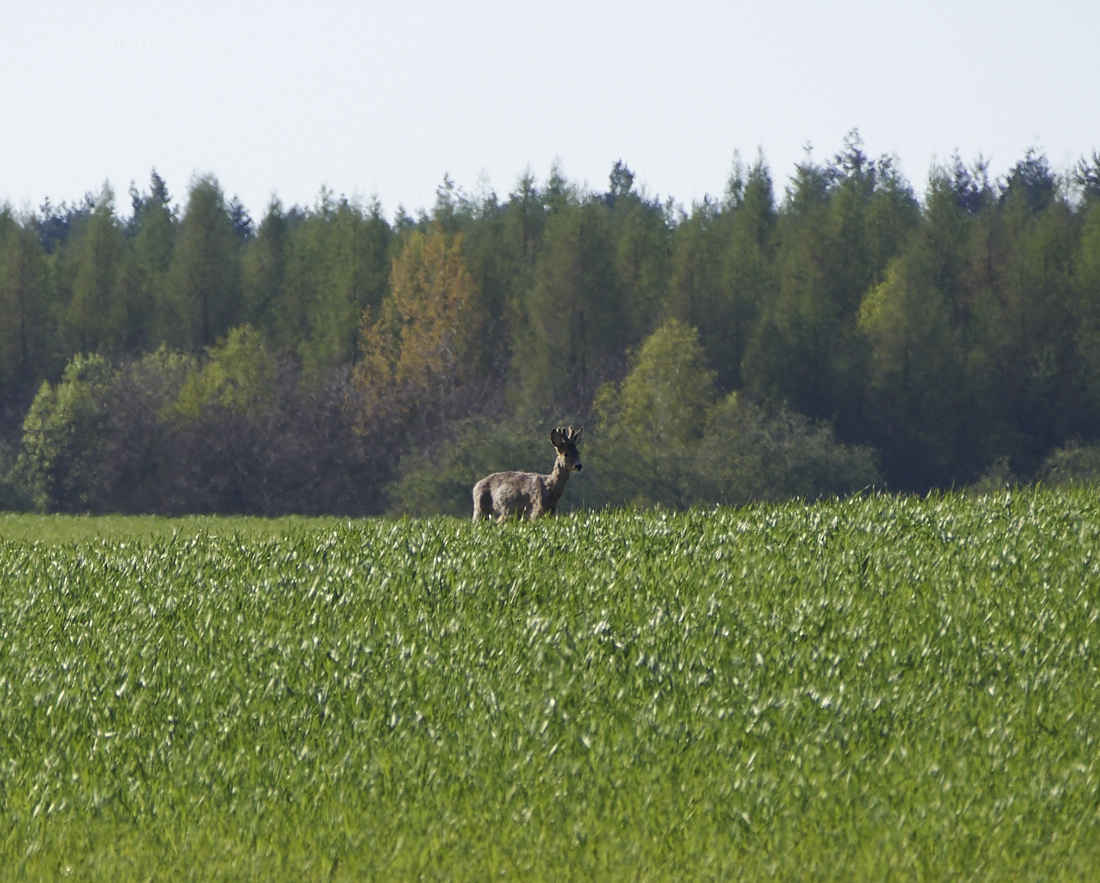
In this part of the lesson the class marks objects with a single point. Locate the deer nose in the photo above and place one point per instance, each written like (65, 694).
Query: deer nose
(579, 467)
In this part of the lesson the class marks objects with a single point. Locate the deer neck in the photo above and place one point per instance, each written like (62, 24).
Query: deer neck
(555, 481)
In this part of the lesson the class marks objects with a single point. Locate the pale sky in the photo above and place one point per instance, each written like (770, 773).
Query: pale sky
(383, 99)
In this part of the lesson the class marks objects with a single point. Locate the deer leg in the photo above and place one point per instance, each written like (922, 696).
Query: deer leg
(483, 503)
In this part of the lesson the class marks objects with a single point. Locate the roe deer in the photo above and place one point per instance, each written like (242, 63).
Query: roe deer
(528, 494)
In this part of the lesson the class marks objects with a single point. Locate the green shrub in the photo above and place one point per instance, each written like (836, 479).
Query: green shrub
(238, 375)
(997, 478)
(651, 424)
(749, 454)
(1073, 464)
(63, 434)
(663, 440)
(170, 434)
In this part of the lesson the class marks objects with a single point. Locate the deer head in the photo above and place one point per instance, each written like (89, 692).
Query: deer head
(565, 443)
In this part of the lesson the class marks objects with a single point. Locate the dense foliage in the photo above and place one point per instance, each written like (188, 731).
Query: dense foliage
(956, 334)
(851, 690)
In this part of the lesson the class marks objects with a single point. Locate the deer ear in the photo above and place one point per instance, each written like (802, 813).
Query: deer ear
(577, 434)
(555, 438)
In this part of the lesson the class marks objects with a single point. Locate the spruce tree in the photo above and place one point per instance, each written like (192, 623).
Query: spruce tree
(202, 298)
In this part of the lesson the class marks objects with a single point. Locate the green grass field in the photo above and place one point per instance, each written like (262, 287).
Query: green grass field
(56, 529)
(870, 689)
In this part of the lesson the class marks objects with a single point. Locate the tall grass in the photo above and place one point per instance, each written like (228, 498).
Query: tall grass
(854, 689)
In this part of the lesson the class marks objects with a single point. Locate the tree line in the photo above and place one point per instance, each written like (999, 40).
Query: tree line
(843, 333)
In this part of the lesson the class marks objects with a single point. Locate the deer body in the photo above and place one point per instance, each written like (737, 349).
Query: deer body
(529, 494)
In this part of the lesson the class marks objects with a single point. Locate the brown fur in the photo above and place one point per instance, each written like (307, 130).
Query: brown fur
(528, 494)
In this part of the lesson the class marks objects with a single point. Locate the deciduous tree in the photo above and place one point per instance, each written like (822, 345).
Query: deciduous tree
(416, 351)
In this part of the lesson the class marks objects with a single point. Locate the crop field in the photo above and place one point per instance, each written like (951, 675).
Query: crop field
(875, 688)
(56, 529)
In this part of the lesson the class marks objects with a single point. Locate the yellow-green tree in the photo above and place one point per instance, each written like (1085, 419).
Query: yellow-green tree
(651, 424)
(417, 352)
(239, 376)
(63, 435)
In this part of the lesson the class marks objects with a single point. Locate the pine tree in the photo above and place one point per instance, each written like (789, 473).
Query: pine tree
(202, 299)
(641, 241)
(747, 273)
(575, 329)
(95, 317)
(264, 270)
(23, 331)
(695, 295)
(152, 233)
(838, 229)
(1024, 269)
(922, 393)
(354, 270)
(1086, 307)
